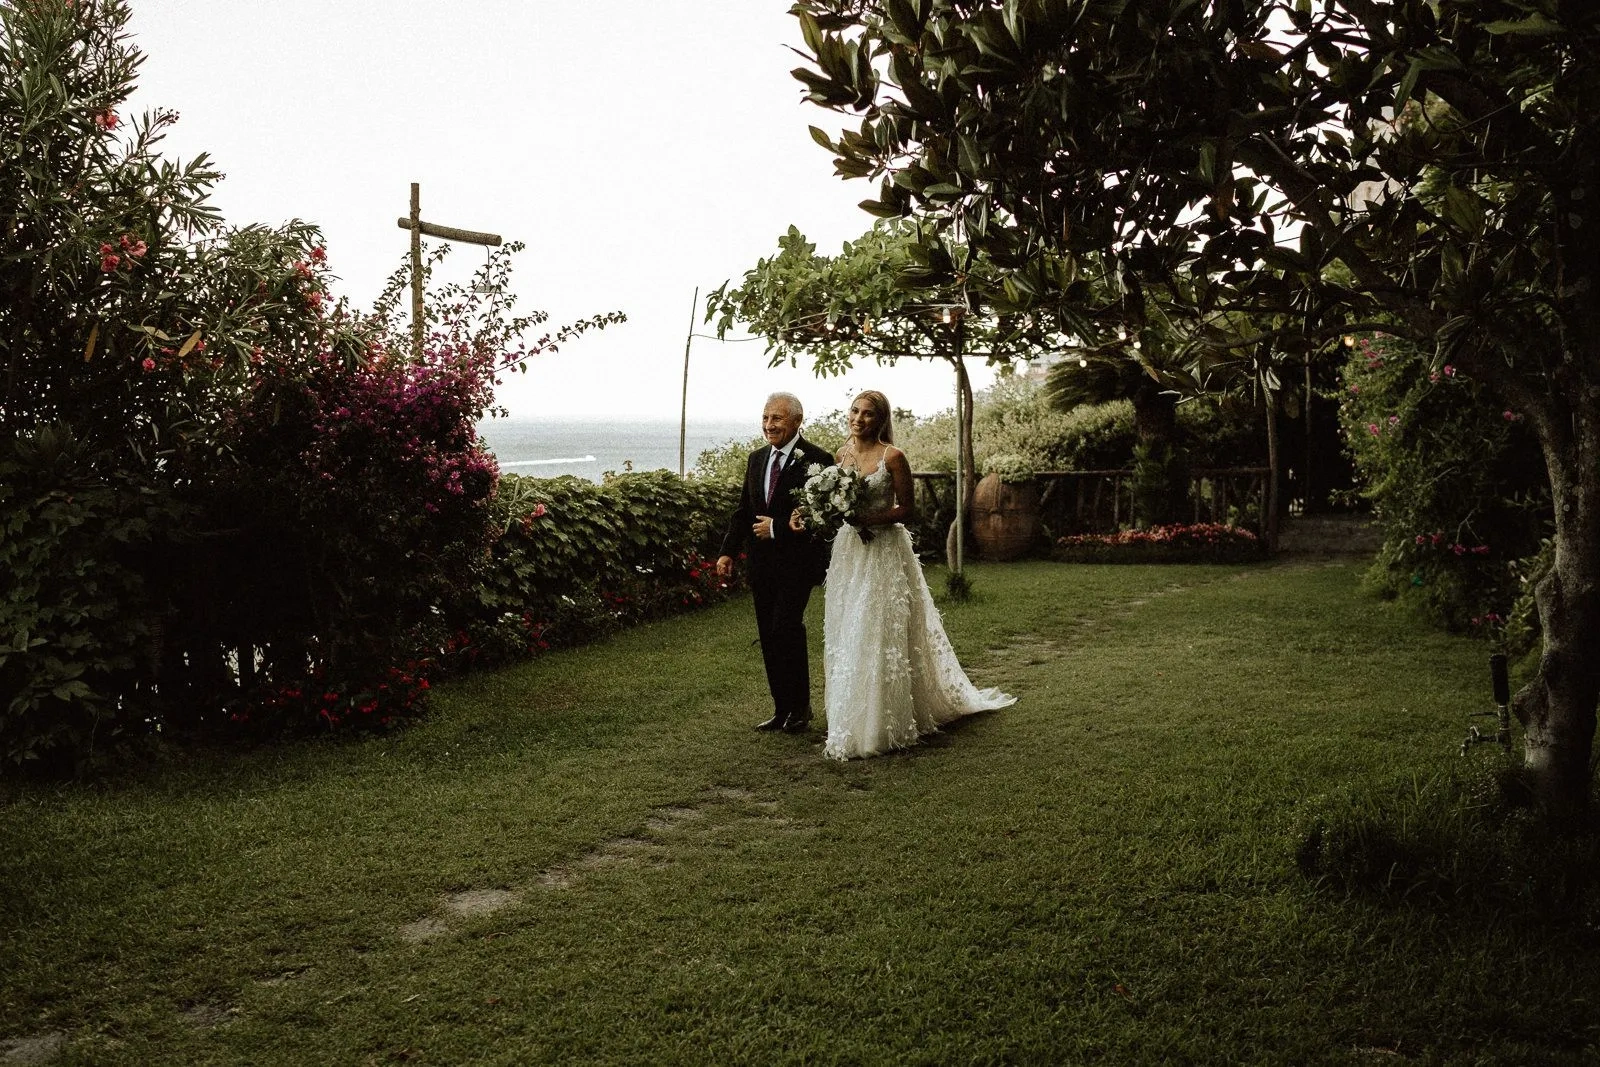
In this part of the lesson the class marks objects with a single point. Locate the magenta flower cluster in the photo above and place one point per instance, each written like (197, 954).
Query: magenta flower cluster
(1177, 534)
(1455, 548)
(416, 419)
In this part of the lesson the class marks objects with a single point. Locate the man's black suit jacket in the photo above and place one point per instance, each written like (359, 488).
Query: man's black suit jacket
(789, 556)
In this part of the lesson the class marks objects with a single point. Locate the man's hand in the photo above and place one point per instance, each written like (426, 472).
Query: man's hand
(763, 527)
(724, 566)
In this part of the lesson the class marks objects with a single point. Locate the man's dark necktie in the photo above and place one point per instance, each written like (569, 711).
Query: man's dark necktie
(772, 476)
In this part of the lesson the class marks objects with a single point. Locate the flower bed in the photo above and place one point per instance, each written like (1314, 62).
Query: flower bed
(1178, 543)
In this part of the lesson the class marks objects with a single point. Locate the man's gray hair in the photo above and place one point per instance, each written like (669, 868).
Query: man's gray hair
(797, 409)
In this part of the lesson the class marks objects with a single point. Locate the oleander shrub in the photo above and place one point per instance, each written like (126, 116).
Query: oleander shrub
(1455, 480)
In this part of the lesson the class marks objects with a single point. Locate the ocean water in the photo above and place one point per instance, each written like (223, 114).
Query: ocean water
(548, 447)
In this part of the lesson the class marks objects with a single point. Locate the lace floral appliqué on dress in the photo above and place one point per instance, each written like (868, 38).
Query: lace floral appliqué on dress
(892, 676)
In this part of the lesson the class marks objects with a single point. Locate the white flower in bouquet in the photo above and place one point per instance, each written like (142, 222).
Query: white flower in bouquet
(832, 497)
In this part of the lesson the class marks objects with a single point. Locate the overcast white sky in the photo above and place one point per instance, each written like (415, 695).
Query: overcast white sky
(640, 148)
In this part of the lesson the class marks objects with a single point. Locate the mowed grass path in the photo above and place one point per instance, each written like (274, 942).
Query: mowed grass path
(592, 857)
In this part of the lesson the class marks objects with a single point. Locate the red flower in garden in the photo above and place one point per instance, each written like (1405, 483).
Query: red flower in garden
(148, 364)
(106, 120)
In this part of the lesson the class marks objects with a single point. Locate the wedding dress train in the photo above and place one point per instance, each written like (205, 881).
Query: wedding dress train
(891, 675)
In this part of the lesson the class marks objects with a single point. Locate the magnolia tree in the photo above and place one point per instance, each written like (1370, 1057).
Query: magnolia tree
(1427, 169)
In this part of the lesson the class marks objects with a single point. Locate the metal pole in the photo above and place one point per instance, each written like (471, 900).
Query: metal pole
(683, 408)
(416, 272)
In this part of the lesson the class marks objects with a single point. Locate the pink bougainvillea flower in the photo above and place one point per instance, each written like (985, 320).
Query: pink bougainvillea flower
(148, 364)
(1374, 429)
(1355, 390)
(1510, 416)
(1394, 420)
(1449, 371)
(1422, 539)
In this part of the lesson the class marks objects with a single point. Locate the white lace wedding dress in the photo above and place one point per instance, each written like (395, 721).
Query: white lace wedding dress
(891, 676)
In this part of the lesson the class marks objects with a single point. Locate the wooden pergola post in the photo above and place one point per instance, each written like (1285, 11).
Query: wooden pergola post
(448, 233)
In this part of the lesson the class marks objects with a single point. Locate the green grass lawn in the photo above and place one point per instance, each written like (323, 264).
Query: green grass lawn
(592, 857)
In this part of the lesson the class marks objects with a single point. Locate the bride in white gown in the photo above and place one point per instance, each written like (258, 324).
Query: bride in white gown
(892, 677)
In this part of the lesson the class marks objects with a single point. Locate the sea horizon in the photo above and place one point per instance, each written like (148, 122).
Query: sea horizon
(591, 446)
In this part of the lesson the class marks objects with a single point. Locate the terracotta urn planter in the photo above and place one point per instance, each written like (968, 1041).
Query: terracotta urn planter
(1005, 517)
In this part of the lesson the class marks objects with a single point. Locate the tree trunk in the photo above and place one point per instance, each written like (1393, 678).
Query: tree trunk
(1271, 495)
(966, 463)
(1557, 708)
(1161, 471)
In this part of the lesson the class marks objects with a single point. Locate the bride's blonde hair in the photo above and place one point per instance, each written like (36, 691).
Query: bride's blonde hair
(880, 404)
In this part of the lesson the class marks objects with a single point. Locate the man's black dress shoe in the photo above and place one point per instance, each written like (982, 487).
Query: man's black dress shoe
(797, 726)
(774, 723)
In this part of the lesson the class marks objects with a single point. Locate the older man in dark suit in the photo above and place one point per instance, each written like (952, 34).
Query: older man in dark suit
(785, 565)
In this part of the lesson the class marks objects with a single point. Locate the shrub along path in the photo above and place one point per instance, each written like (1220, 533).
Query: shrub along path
(593, 857)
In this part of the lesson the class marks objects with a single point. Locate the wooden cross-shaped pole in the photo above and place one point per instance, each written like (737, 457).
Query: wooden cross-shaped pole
(448, 233)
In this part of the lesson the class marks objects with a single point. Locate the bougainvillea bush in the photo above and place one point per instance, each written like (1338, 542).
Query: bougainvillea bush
(1177, 543)
(1455, 480)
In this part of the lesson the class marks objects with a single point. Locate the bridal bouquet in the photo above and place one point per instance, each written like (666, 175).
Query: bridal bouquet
(832, 498)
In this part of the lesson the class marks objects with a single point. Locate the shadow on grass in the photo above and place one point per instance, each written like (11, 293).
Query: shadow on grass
(1464, 839)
